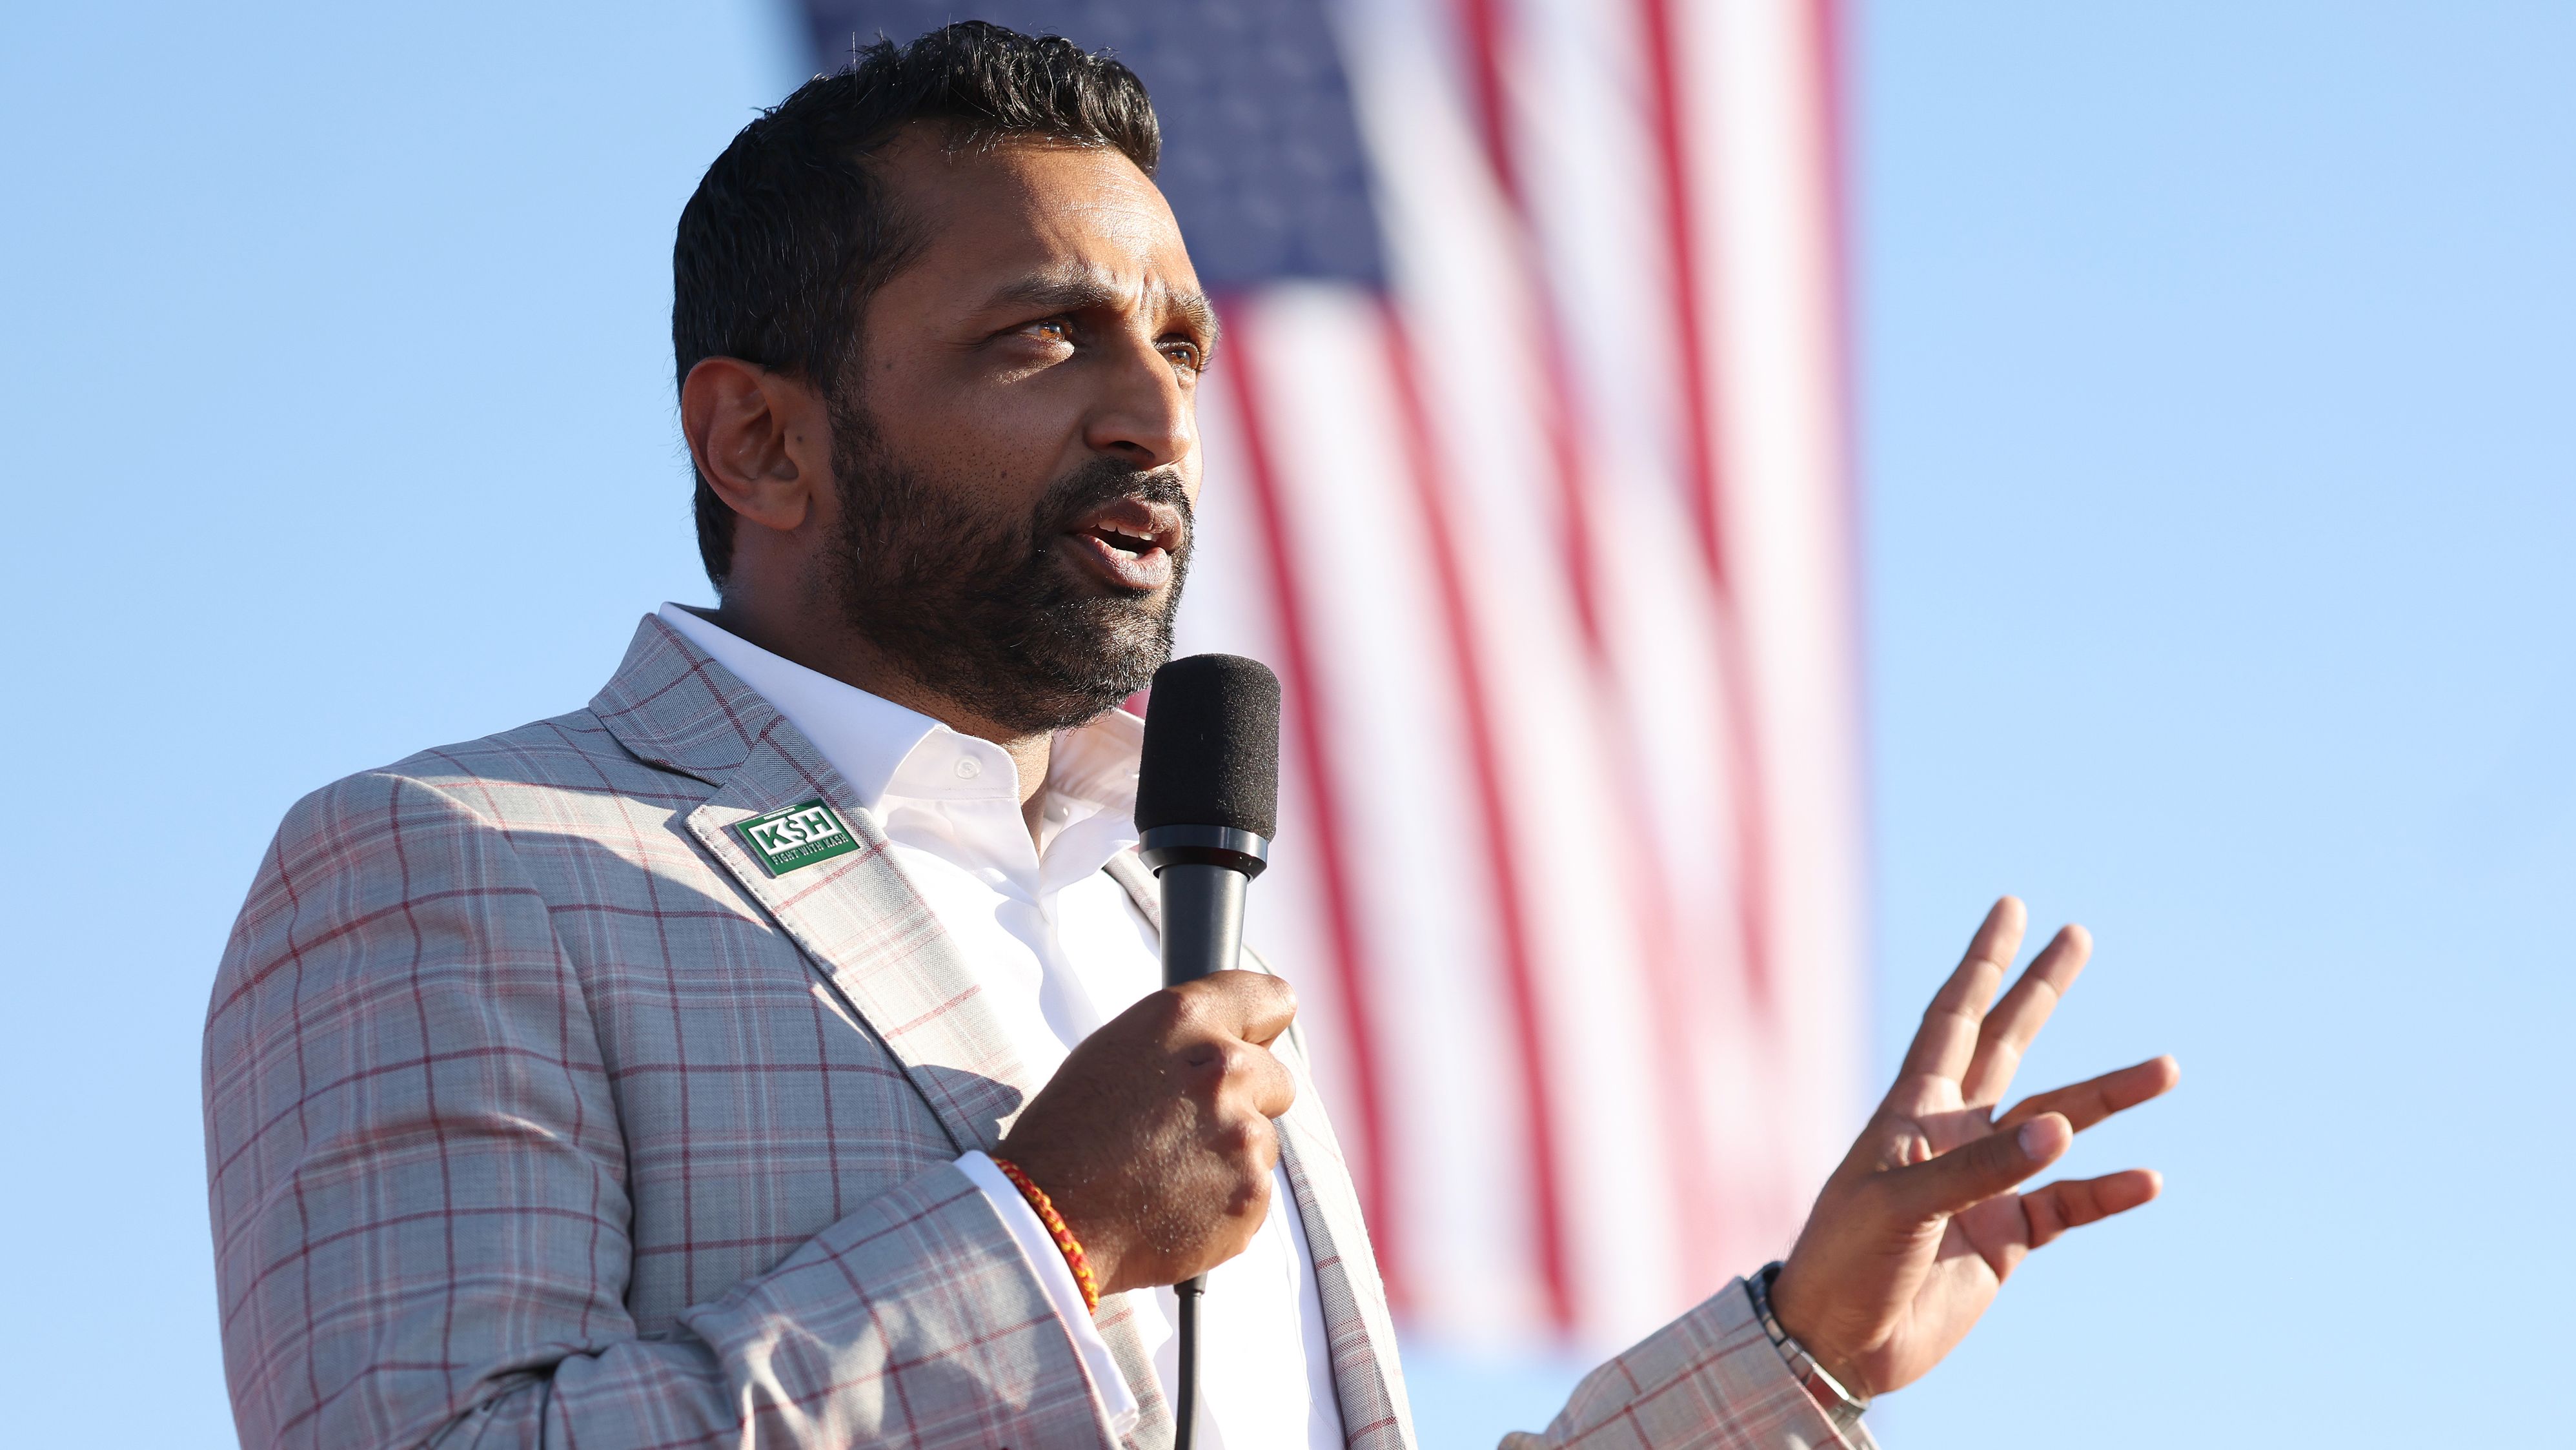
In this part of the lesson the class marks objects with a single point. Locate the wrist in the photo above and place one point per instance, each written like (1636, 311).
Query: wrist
(1832, 1378)
(1077, 1257)
(1067, 1181)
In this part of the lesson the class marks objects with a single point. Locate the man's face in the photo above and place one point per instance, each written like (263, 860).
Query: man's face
(1015, 444)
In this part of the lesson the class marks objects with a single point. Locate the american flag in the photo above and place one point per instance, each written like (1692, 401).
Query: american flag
(1527, 469)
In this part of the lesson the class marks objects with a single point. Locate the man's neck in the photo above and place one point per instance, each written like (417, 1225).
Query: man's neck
(845, 656)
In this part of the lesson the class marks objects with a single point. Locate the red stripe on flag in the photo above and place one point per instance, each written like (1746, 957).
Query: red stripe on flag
(1309, 737)
(1693, 1181)
(1695, 317)
(1828, 42)
(1430, 484)
(1681, 247)
(1483, 24)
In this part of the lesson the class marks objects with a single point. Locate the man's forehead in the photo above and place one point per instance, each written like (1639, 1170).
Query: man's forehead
(1047, 226)
(1046, 203)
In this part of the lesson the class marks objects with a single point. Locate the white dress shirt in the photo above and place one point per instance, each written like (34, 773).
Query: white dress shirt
(1060, 949)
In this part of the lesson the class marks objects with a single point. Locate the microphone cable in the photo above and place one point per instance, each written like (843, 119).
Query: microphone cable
(1185, 1394)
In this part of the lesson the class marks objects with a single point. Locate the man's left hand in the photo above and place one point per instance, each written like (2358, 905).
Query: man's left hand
(1919, 1227)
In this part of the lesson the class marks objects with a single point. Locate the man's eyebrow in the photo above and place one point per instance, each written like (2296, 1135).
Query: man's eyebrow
(1202, 315)
(1059, 292)
(1078, 291)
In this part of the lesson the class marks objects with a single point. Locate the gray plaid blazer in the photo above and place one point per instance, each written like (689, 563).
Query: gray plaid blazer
(539, 1112)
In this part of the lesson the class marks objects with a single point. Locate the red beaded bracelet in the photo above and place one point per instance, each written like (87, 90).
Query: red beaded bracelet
(1070, 1246)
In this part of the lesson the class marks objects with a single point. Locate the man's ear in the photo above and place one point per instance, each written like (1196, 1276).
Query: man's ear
(761, 439)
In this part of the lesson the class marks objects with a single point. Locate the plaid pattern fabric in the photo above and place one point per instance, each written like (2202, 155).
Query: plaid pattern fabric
(538, 1112)
(1710, 1380)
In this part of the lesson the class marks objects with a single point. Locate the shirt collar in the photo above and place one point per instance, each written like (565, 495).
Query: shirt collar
(882, 748)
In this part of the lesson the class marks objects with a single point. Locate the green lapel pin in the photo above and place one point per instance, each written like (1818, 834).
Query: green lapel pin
(797, 837)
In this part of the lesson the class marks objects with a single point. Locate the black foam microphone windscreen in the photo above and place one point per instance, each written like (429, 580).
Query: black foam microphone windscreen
(1211, 747)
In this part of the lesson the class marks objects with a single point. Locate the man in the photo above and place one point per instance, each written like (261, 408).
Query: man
(765, 1053)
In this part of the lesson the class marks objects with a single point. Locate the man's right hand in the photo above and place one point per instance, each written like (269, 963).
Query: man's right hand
(1154, 1139)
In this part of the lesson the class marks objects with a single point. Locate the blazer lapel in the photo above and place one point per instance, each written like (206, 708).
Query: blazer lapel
(1366, 1377)
(860, 923)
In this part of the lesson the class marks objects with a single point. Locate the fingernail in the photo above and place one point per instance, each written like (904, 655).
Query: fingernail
(2036, 1139)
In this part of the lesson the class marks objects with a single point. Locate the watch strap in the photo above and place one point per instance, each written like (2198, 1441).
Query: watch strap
(1839, 1404)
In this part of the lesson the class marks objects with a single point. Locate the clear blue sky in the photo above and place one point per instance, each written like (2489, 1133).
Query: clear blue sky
(2220, 472)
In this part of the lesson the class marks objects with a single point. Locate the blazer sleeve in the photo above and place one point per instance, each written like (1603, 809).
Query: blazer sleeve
(1710, 1380)
(417, 1182)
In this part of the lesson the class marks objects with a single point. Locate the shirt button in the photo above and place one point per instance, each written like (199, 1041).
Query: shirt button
(968, 767)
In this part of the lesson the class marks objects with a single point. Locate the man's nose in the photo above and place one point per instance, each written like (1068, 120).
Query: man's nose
(1144, 414)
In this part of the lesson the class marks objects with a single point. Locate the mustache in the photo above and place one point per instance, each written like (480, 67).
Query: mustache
(1104, 481)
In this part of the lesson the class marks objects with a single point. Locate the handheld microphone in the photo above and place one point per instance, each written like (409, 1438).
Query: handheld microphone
(1207, 805)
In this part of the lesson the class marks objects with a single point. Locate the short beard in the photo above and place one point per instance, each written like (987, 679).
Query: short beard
(980, 610)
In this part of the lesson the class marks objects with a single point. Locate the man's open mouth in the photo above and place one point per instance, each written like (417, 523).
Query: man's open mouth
(1130, 542)
(1124, 543)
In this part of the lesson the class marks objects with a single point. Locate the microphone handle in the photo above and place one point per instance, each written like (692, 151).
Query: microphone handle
(1202, 920)
(1202, 933)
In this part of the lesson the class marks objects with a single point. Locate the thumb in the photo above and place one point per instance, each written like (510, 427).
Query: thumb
(1965, 1177)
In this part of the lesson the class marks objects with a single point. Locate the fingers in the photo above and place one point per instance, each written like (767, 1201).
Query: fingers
(1969, 1175)
(1223, 1025)
(1254, 1006)
(1258, 1080)
(1948, 1037)
(1232, 1233)
(2073, 1203)
(2008, 1029)
(2085, 1103)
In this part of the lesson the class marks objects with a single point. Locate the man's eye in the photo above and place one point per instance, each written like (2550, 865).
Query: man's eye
(1054, 329)
(1186, 354)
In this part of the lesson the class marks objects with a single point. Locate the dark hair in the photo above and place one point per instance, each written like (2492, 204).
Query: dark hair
(791, 230)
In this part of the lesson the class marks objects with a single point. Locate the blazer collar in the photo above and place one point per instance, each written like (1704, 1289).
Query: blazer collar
(674, 706)
(870, 936)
